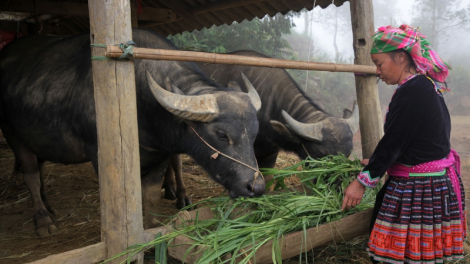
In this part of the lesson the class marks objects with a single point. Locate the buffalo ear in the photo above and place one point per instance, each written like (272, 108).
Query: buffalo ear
(170, 87)
(233, 85)
(284, 131)
(347, 113)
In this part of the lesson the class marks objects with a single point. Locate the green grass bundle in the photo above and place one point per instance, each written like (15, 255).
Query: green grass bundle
(241, 226)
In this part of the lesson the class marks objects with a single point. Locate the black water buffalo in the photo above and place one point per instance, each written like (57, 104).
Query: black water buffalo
(47, 113)
(288, 119)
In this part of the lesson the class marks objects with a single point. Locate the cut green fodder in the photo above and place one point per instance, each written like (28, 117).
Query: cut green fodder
(319, 174)
(241, 226)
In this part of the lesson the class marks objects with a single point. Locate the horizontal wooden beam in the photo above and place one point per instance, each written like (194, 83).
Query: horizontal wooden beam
(220, 5)
(77, 9)
(90, 254)
(291, 244)
(180, 55)
(45, 7)
(96, 252)
(156, 14)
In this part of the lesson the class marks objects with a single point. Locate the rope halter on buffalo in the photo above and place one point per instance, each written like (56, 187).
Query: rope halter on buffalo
(216, 154)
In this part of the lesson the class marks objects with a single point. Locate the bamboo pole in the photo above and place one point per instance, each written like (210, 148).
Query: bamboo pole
(181, 55)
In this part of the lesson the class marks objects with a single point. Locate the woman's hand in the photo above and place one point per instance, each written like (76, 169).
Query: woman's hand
(353, 194)
(365, 162)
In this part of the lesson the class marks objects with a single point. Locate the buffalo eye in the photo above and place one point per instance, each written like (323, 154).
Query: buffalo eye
(221, 135)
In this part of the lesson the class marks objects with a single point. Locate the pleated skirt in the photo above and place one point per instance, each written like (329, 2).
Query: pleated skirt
(417, 220)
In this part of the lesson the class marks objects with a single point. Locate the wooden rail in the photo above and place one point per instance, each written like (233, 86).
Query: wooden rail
(181, 55)
(96, 252)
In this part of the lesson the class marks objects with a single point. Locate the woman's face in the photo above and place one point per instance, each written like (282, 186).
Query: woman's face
(387, 69)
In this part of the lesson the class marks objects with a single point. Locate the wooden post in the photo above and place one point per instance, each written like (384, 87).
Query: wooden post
(116, 122)
(370, 117)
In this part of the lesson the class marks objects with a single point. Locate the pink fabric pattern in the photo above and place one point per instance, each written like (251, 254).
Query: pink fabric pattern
(408, 38)
(366, 180)
(451, 164)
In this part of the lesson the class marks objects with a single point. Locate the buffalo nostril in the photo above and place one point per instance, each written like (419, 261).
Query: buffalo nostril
(258, 189)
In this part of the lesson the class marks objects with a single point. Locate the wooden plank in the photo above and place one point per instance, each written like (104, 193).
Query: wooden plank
(78, 9)
(45, 7)
(293, 244)
(180, 55)
(116, 122)
(90, 254)
(267, 9)
(157, 14)
(95, 253)
(220, 5)
(346, 229)
(370, 117)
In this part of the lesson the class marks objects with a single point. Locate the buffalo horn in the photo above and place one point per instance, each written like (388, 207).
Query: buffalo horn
(202, 108)
(353, 120)
(310, 132)
(252, 93)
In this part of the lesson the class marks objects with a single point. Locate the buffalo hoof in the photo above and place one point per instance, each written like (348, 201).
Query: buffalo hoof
(183, 202)
(44, 225)
(170, 193)
(47, 230)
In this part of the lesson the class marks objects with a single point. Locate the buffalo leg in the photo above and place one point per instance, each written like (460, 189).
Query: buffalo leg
(181, 195)
(175, 168)
(50, 209)
(32, 178)
(151, 193)
(28, 161)
(169, 182)
(15, 176)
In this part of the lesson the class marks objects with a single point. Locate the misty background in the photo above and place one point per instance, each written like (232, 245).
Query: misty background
(325, 35)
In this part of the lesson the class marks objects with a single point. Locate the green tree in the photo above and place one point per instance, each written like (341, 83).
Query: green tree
(261, 35)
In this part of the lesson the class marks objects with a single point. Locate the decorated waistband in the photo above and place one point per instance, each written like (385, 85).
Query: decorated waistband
(449, 165)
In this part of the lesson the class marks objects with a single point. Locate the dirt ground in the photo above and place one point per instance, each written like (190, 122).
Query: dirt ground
(73, 191)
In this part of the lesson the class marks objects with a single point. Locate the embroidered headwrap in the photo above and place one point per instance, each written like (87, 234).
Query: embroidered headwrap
(409, 39)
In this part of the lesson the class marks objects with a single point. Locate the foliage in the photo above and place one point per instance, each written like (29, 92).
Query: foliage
(241, 226)
(319, 174)
(261, 35)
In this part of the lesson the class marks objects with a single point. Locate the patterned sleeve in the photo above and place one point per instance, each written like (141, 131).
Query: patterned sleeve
(406, 112)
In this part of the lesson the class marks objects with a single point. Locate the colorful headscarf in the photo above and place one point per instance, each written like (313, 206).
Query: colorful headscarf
(409, 39)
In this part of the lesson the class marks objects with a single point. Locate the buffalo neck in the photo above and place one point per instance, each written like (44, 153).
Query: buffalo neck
(285, 94)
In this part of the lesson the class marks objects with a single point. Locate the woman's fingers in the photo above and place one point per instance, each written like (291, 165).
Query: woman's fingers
(345, 203)
(353, 195)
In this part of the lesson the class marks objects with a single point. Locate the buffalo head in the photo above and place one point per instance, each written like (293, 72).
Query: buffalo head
(225, 120)
(329, 136)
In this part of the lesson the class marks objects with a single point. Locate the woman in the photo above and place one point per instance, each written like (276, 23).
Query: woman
(419, 216)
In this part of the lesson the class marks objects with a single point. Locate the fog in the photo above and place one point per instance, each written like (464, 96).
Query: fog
(453, 46)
